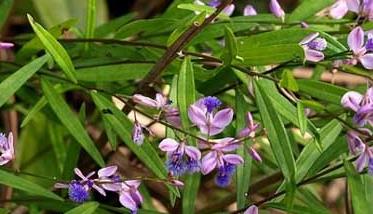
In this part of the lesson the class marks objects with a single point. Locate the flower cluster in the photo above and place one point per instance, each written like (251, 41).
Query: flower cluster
(211, 121)
(107, 180)
(362, 105)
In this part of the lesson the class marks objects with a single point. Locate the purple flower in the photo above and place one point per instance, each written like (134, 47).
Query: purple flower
(252, 210)
(90, 183)
(172, 116)
(180, 157)
(338, 9)
(365, 158)
(276, 9)
(254, 154)
(6, 45)
(249, 10)
(362, 105)
(211, 103)
(250, 129)
(361, 52)
(362, 7)
(76, 186)
(209, 123)
(224, 163)
(6, 148)
(138, 134)
(313, 46)
(355, 144)
(109, 178)
(160, 101)
(129, 196)
(177, 183)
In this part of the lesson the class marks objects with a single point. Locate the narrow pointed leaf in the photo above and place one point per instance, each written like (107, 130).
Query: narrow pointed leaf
(19, 183)
(70, 121)
(53, 47)
(11, 84)
(243, 170)
(86, 208)
(302, 119)
(185, 97)
(277, 134)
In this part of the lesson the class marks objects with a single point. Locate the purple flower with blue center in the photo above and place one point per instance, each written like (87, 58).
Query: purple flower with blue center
(361, 104)
(129, 196)
(225, 164)
(313, 46)
(362, 52)
(79, 189)
(6, 148)
(202, 114)
(180, 157)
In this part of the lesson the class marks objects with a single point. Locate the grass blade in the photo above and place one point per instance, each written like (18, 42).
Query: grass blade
(86, 208)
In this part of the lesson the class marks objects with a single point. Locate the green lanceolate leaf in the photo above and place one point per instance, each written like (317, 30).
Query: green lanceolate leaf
(11, 84)
(302, 119)
(277, 134)
(273, 54)
(288, 81)
(356, 183)
(186, 95)
(70, 121)
(123, 127)
(53, 47)
(323, 91)
(230, 49)
(19, 183)
(186, 90)
(189, 21)
(91, 21)
(243, 172)
(86, 208)
(5, 7)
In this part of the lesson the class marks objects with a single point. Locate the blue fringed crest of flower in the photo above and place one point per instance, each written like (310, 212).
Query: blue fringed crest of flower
(370, 166)
(192, 166)
(78, 193)
(213, 3)
(211, 103)
(176, 165)
(318, 44)
(224, 175)
(369, 44)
